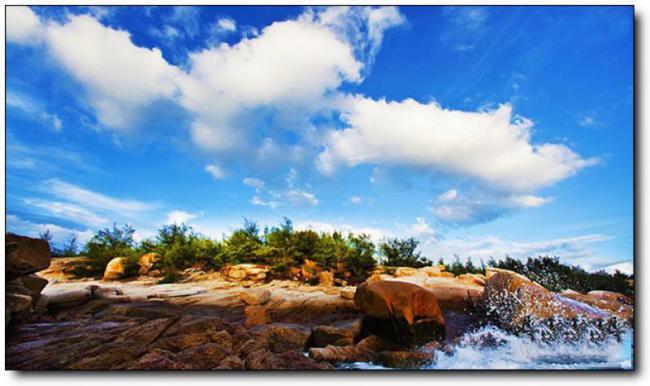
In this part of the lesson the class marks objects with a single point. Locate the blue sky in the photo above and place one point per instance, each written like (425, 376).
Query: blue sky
(481, 131)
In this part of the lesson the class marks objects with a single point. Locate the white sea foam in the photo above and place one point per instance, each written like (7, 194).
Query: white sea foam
(492, 348)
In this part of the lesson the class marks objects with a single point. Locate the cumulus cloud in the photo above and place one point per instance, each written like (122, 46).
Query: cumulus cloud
(227, 81)
(215, 171)
(225, 25)
(290, 194)
(179, 217)
(479, 207)
(491, 146)
(421, 228)
(118, 77)
(23, 25)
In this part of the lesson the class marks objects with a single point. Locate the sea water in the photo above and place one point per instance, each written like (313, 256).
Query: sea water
(510, 352)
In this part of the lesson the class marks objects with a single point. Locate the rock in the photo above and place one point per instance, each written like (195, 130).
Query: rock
(405, 271)
(348, 292)
(611, 302)
(326, 278)
(431, 271)
(400, 311)
(310, 308)
(309, 270)
(365, 351)
(98, 292)
(285, 336)
(515, 301)
(451, 293)
(405, 359)
(158, 359)
(114, 269)
(65, 299)
(18, 298)
(471, 278)
(446, 274)
(242, 272)
(611, 296)
(146, 262)
(263, 360)
(35, 285)
(341, 333)
(204, 357)
(232, 362)
(255, 297)
(25, 255)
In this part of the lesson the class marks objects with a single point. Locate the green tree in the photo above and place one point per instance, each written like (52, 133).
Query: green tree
(402, 253)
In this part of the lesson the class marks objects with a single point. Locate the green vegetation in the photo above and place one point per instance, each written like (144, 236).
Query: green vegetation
(302, 254)
(402, 253)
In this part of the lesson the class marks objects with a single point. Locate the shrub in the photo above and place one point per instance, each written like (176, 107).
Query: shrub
(104, 246)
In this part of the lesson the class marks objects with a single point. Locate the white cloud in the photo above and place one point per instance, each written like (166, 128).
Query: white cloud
(119, 77)
(60, 234)
(226, 24)
(215, 171)
(479, 207)
(33, 110)
(93, 200)
(227, 82)
(179, 217)
(421, 228)
(493, 146)
(573, 250)
(626, 267)
(300, 197)
(253, 182)
(23, 25)
(258, 201)
(587, 120)
(68, 211)
(355, 200)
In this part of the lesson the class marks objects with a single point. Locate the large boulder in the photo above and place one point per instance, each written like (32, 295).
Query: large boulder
(35, 285)
(451, 293)
(515, 302)
(146, 262)
(114, 269)
(25, 255)
(400, 311)
(366, 350)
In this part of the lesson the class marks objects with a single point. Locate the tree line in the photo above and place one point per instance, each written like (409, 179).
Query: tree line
(350, 257)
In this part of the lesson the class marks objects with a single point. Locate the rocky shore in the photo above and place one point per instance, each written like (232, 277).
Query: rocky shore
(239, 319)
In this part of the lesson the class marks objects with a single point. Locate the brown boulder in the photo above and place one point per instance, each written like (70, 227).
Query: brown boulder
(342, 333)
(146, 262)
(18, 298)
(400, 311)
(114, 269)
(348, 293)
(25, 255)
(516, 300)
(264, 360)
(284, 336)
(611, 302)
(35, 285)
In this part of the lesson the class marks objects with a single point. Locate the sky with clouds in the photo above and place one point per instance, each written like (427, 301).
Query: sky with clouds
(481, 131)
